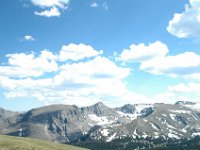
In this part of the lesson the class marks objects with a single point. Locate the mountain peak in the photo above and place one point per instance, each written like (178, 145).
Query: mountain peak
(99, 104)
(98, 109)
(184, 103)
(128, 108)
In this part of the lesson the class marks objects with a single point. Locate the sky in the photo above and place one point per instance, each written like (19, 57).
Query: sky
(80, 52)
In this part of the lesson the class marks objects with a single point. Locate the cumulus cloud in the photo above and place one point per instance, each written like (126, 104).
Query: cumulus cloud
(21, 65)
(185, 88)
(49, 13)
(51, 3)
(187, 23)
(50, 8)
(155, 59)
(79, 74)
(182, 64)
(98, 68)
(77, 52)
(189, 91)
(141, 52)
(27, 38)
(170, 97)
(48, 79)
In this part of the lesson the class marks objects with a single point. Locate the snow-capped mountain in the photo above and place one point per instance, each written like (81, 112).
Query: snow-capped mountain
(64, 123)
(164, 120)
(192, 105)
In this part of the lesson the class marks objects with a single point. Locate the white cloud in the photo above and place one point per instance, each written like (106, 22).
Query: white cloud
(50, 8)
(193, 76)
(185, 88)
(81, 81)
(84, 82)
(169, 98)
(141, 52)
(93, 80)
(77, 52)
(22, 65)
(53, 12)
(51, 3)
(187, 23)
(183, 64)
(98, 68)
(155, 59)
(94, 4)
(27, 38)
(186, 91)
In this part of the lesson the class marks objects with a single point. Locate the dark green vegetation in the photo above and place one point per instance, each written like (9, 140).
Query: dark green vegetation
(16, 143)
(144, 144)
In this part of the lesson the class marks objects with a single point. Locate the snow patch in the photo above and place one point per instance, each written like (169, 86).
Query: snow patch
(111, 137)
(181, 111)
(145, 120)
(138, 111)
(170, 126)
(105, 132)
(167, 124)
(135, 134)
(153, 126)
(140, 107)
(172, 116)
(171, 135)
(144, 135)
(184, 130)
(100, 120)
(196, 134)
(127, 115)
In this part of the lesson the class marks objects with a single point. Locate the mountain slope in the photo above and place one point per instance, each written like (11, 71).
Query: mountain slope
(16, 143)
(167, 121)
(7, 118)
(66, 124)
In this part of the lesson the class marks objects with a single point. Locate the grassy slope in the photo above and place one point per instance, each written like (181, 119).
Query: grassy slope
(16, 143)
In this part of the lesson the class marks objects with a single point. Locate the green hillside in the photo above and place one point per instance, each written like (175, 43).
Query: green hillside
(16, 143)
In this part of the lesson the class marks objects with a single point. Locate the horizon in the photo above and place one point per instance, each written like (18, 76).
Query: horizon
(75, 52)
(96, 104)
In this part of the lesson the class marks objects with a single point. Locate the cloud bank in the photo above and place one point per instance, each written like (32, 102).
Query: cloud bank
(66, 77)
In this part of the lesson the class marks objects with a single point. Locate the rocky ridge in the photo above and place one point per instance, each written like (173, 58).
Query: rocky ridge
(69, 123)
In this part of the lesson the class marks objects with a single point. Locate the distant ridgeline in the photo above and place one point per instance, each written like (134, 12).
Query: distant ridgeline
(100, 127)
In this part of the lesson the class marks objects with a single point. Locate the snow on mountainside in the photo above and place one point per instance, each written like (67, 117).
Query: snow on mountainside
(192, 105)
(133, 111)
(64, 123)
(167, 121)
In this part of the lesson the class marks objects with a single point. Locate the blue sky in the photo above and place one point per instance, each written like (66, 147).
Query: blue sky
(81, 52)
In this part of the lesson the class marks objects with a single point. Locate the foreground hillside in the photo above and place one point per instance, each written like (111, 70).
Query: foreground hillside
(16, 143)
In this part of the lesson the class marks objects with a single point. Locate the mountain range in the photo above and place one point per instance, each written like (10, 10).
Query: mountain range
(72, 124)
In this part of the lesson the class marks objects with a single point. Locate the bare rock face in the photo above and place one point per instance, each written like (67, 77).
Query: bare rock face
(65, 123)
(7, 118)
(127, 109)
